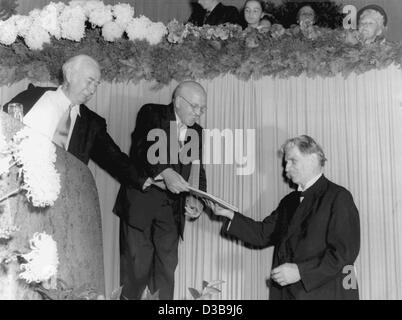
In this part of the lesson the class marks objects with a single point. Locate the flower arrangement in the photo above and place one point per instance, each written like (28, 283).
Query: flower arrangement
(35, 155)
(133, 49)
(68, 21)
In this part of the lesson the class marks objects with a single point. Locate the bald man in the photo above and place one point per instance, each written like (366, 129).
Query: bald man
(166, 144)
(61, 114)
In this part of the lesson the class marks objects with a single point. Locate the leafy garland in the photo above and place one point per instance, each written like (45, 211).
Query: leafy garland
(202, 53)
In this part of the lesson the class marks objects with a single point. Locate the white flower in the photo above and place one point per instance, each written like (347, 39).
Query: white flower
(144, 29)
(36, 37)
(112, 31)
(42, 261)
(48, 18)
(22, 24)
(8, 32)
(101, 15)
(72, 23)
(137, 29)
(123, 13)
(156, 31)
(37, 154)
(87, 6)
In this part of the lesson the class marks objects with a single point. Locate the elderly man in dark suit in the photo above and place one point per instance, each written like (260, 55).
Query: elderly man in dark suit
(152, 219)
(213, 12)
(315, 230)
(60, 113)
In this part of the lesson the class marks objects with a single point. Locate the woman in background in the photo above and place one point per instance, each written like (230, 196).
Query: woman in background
(254, 15)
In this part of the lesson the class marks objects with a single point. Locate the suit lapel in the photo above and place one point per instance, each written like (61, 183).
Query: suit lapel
(215, 14)
(169, 125)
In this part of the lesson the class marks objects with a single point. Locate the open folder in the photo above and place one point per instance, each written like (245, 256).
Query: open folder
(217, 200)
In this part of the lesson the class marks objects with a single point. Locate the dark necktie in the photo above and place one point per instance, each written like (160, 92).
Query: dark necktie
(207, 13)
(63, 129)
(302, 195)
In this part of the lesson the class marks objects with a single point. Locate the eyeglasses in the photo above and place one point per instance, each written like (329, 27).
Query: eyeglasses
(199, 110)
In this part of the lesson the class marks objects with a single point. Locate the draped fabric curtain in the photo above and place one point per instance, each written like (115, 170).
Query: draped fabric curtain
(356, 120)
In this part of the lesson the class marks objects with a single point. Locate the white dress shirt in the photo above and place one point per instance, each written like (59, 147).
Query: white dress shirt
(46, 113)
(308, 184)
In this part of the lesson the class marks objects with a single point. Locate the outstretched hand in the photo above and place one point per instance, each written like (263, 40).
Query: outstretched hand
(220, 211)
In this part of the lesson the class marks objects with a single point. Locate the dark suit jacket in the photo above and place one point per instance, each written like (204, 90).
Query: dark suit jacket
(89, 139)
(138, 207)
(321, 235)
(219, 15)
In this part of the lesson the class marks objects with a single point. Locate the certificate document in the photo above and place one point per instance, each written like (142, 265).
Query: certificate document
(214, 199)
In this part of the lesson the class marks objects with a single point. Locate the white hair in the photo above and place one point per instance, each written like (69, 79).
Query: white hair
(375, 15)
(75, 63)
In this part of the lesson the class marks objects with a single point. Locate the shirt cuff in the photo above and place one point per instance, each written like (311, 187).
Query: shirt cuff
(147, 183)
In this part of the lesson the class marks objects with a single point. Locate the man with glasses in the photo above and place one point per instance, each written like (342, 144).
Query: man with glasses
(60, 114)
(166, 145)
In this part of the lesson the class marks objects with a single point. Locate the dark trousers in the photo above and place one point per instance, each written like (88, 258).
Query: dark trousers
(149, 257)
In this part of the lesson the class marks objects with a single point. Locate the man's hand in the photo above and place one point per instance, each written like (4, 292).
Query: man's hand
(159, 184)
(286, 274)
(193, 207)
(174, 181)
(219, 211)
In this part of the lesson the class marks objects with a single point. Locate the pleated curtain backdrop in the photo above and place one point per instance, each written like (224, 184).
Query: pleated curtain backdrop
(358, 123)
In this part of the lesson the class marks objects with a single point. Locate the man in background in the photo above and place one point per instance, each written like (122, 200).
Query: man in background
(213, 12)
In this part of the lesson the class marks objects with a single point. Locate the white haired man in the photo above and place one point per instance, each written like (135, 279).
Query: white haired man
(61, 115)
(315, 231)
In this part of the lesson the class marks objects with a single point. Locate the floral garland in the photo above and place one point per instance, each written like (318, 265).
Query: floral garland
(133, 49)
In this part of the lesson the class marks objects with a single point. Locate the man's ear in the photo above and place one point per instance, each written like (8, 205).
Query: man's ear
(314, 158)
(177, 103)
(68, 75)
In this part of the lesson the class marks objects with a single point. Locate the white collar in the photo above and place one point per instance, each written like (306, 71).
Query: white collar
(309, 183)
(66, 102)
(179, 123)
